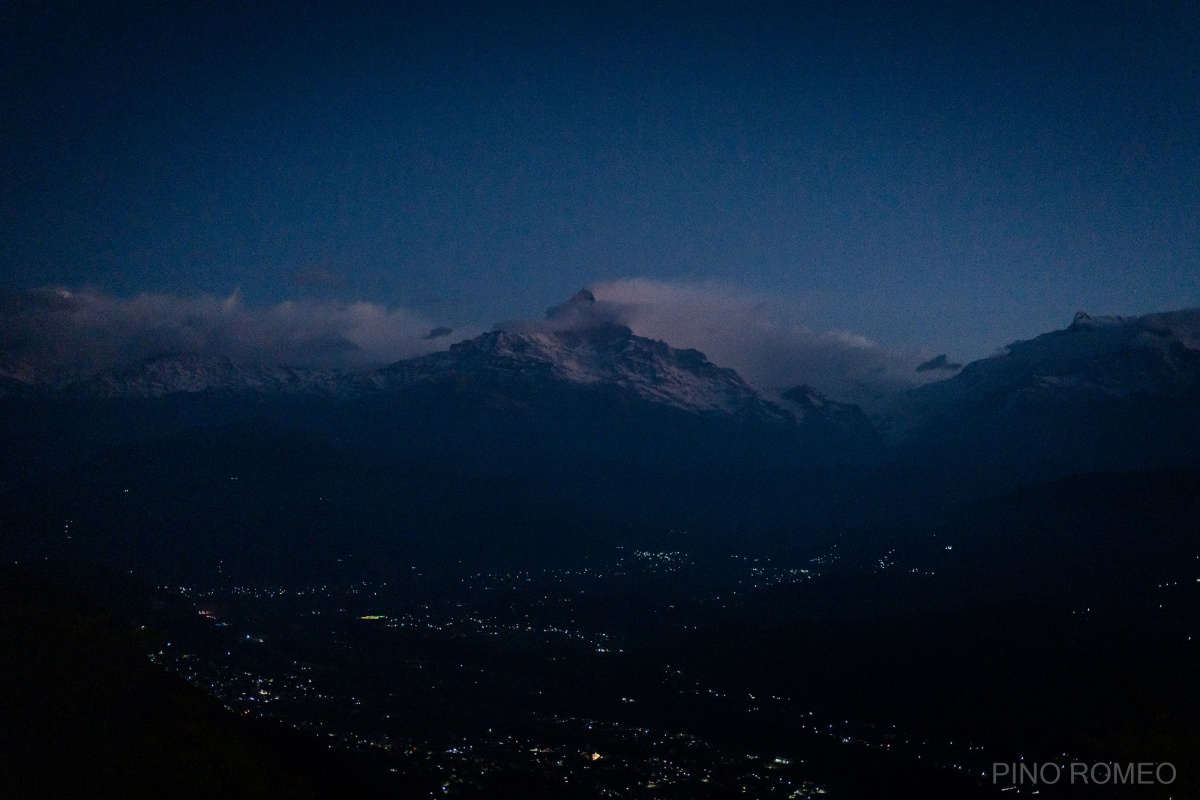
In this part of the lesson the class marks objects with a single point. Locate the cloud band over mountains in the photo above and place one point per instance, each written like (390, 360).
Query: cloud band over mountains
(61, 335)
(64, 334)
(756, 334)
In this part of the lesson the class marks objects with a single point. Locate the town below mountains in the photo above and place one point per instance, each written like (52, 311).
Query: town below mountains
(567, 560)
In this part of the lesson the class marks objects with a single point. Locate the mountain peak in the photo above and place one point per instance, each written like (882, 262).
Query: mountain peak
(941, 363)
(581, 312)
(1086, 322)
(583, 300)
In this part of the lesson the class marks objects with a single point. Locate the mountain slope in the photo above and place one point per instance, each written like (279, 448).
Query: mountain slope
(85, 714)
(192, 373)
(1106, 393)
(1092, 359)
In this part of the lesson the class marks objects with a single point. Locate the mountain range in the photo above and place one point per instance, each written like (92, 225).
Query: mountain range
(518, 435)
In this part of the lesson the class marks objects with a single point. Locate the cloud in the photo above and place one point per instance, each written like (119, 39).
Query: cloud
(70, 334)
(758, 335)
(580, 312)
(57, 335)
(1184, 325)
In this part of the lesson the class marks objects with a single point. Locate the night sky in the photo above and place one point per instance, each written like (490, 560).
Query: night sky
(938, 176)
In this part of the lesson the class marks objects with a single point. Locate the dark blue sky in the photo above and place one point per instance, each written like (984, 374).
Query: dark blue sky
(926, 174)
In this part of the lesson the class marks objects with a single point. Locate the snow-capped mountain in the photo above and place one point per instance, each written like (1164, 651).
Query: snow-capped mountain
(1105, 393)
(1094, 359)
(571, 349)
(578, 345)
(606, 356)
(609, 356)
(189, 374)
